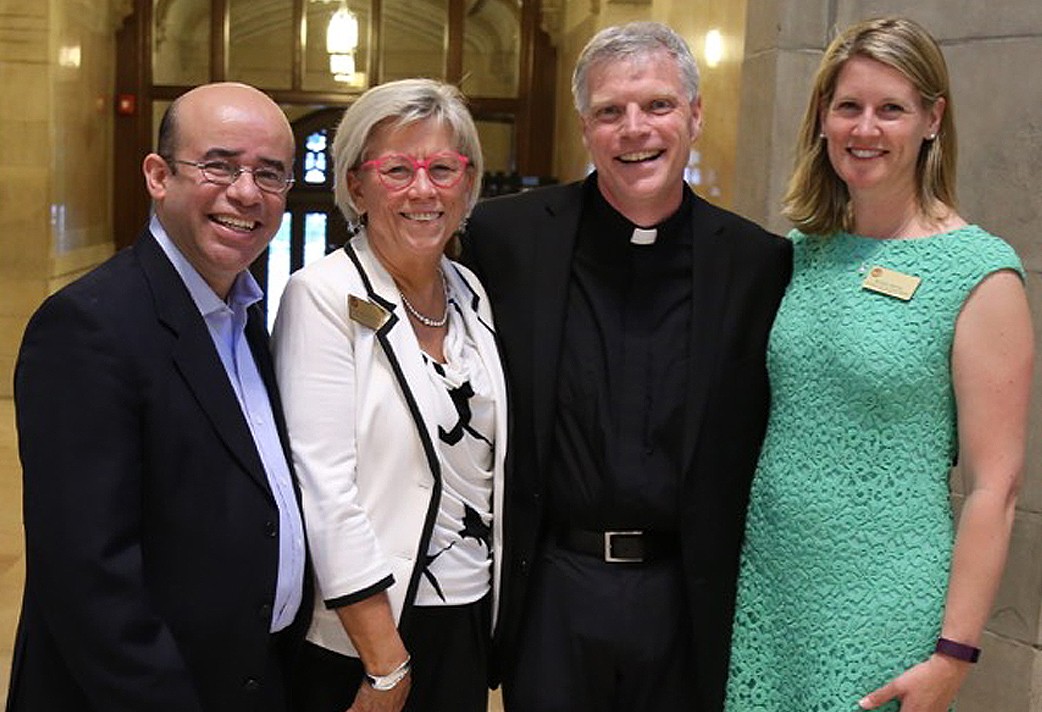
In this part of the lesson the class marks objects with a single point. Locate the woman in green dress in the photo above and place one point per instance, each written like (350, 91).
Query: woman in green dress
(902, 345)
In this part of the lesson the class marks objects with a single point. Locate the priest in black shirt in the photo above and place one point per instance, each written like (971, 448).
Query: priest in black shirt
(633, 318)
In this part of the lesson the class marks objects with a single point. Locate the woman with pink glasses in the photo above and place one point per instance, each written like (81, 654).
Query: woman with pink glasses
(396, 408)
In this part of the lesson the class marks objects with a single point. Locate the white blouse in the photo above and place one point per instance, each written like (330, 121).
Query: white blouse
(457, 569)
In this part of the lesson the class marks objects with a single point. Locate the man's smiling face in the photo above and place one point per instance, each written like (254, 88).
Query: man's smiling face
(639, 130)
(221, 229)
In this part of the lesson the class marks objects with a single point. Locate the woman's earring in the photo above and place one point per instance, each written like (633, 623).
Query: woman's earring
(462, 227)
(355, 226)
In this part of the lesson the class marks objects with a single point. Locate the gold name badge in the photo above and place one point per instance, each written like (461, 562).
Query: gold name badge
(891, 283)
(366, 313)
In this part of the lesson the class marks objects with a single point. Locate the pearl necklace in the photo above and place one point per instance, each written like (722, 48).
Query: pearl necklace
(423, 318)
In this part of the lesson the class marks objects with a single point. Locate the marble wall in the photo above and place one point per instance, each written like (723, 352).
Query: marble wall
(57, 70)
(25, 155)
(992, 51)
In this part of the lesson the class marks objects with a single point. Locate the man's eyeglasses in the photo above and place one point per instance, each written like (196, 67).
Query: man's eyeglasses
(397, 171)
(270, 180)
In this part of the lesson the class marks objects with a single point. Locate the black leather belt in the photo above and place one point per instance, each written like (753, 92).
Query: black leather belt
(620, 547)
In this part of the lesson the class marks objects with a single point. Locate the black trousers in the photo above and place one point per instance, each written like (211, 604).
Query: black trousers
(603, 636)
(449, 650)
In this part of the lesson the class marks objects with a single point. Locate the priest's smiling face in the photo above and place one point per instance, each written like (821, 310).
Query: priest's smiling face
(639, 129)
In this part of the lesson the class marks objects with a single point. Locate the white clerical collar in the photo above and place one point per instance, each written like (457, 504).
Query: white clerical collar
(644, 237)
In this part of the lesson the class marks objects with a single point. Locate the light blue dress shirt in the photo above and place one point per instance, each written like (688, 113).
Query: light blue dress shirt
(226, 322)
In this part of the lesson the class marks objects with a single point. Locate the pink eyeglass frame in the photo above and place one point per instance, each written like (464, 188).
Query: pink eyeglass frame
(417, 164)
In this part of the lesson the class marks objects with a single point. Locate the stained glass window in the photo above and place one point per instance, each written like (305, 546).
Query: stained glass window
(315, 158)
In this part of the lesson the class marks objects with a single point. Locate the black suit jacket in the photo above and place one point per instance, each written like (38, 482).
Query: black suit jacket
(151, 532)
(521, 248)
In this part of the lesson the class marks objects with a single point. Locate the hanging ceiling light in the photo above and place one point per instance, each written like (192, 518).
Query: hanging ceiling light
(341, 43)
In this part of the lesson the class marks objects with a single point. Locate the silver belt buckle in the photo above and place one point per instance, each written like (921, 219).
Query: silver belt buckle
(609, 556)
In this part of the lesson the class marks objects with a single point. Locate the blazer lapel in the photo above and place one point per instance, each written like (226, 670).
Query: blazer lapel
(195, 357)
(710, 282)
(400, 345)
(260, 348)
(551, 264)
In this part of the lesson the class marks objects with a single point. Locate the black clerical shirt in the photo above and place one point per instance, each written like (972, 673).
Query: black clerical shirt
(623, 373)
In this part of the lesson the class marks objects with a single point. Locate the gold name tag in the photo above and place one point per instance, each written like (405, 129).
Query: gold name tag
(366, 313)
(891, 283)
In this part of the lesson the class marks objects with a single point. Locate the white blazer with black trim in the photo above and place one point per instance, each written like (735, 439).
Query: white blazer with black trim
(358, 404)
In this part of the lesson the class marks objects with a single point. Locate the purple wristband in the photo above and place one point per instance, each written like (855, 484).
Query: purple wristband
(959, 651)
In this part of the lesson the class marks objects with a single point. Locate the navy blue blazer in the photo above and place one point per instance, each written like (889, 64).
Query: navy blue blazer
(151, 532)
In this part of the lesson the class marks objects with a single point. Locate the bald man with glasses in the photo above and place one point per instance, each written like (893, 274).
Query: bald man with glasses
(165, 554)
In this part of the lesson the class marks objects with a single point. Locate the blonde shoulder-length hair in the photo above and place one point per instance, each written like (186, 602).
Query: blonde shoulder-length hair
(817, 201)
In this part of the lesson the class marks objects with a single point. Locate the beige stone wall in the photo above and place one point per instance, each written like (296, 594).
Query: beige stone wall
(25, 155)
(993, 52)
(57, 67)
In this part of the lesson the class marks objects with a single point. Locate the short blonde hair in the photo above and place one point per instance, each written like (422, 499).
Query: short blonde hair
(400, 103)
(817, 200)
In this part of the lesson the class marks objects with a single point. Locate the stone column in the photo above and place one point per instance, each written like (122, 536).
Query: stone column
(993, 53)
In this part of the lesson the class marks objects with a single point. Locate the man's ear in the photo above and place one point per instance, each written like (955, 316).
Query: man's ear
(696, 117)
(157, 173)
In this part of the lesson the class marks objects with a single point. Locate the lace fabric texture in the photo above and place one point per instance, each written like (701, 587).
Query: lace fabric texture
(849, 533)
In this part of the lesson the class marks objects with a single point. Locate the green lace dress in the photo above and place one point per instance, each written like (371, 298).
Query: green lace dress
(849, 534)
